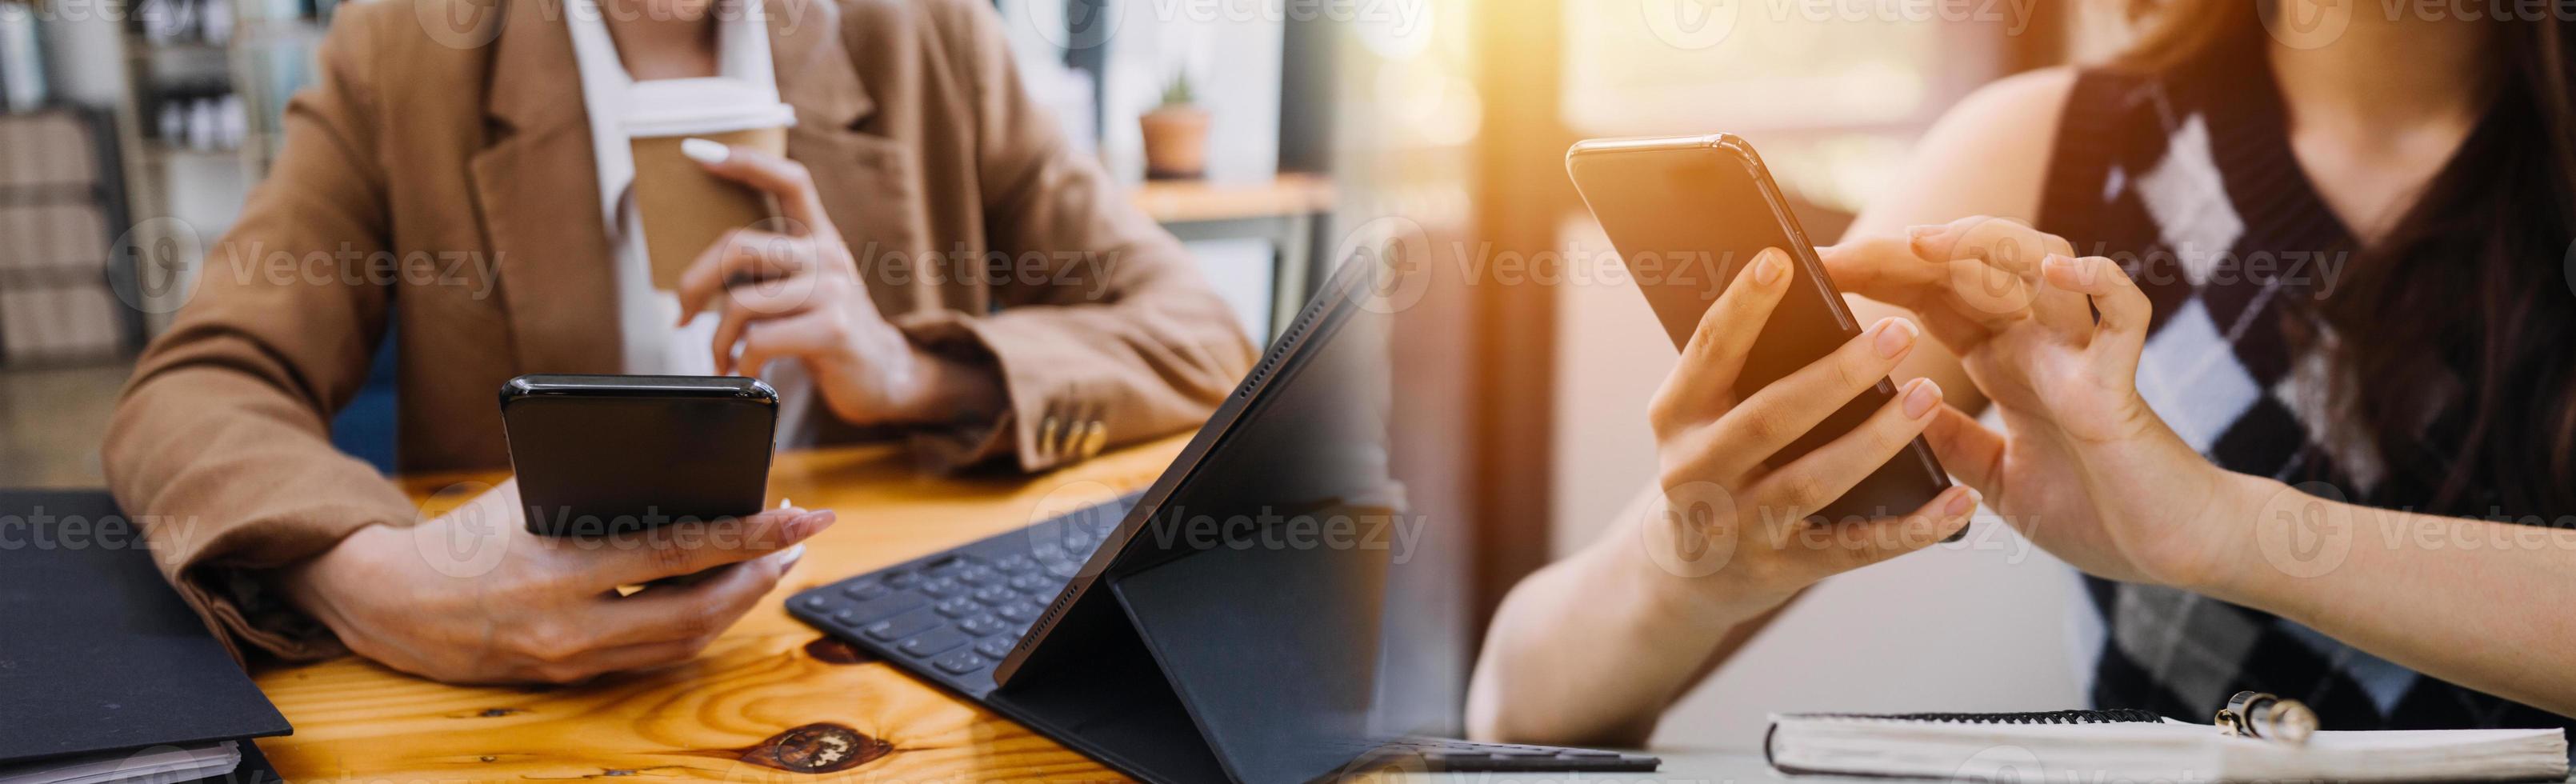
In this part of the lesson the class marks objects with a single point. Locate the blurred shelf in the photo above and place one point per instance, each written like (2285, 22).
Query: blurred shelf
(1201, 201)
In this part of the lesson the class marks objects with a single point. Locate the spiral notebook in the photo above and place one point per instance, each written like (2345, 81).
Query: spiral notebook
(2131, 745)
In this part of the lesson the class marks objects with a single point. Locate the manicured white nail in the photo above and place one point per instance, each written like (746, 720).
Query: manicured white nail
(789, 556)
(706, 151)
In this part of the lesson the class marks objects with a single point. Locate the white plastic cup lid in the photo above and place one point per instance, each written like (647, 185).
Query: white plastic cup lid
(687, 107)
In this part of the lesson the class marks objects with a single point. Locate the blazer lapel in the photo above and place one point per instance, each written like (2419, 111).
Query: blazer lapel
(540, 201)
(868, 182)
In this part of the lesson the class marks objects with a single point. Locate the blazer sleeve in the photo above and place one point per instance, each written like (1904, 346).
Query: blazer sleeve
(1121, 340)
(220, 445)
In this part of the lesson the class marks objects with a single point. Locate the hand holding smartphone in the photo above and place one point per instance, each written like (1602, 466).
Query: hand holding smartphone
(1687, 215)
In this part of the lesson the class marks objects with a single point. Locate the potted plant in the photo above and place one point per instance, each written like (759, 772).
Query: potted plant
(1176, 134)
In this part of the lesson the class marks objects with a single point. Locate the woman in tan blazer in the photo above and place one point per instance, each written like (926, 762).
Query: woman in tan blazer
(439, 182)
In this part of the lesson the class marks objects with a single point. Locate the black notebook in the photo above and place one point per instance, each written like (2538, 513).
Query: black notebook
(99, 655)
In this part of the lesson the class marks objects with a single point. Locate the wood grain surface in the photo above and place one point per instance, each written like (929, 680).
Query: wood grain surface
(772, 701)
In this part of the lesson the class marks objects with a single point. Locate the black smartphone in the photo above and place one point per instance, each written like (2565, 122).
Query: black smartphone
(599, 455)
(1686, 214)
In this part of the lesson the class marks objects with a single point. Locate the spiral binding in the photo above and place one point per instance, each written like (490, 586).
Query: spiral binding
(2110, 716)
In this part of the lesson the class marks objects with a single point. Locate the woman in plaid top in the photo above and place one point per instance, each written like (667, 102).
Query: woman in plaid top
(2272, 341)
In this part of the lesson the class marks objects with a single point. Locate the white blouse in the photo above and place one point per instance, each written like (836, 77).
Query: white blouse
(645, 314)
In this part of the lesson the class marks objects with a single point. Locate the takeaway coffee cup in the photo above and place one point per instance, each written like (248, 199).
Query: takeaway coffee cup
(684, 208)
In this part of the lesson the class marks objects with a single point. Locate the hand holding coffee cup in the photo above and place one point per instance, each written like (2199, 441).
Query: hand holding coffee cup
(684, 208)
(797, 295)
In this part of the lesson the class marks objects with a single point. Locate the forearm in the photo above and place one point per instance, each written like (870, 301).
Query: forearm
(2474, 602)
(1592, 649)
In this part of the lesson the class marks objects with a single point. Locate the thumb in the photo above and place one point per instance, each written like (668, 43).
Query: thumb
(1968, 449)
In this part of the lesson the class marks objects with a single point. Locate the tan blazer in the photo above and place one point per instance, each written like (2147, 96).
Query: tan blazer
(438, 182)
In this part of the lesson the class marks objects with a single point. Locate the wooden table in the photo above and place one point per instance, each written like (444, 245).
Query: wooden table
(768, 676)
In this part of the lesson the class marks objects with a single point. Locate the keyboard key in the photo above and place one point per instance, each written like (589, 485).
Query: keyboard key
(942, 587)
(934, 642)
(864, 590)
(902, 626)
(1036, 583)
(958, 607)
(816, 602)
(903, 579)
(1022, 612)
(1014, 563)
(997, 648)
(982, 625)
(959, 663)
(996, 595)
(979, 575)
(945, 565)
(882, 607)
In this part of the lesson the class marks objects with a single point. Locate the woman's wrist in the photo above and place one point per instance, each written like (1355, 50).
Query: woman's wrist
(307, 584)
(950, 390)
(1697, 593)
(2239, 509)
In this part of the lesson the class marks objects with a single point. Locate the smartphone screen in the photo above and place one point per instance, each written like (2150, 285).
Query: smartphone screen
(1686, 215)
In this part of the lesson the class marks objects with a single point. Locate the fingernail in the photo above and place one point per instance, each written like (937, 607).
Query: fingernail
(1920, 397)
(706, 151)
(1961, 504)
(811, 523)
(1918, 235)
(1894, 335)
(787, 558)
(1769, 266)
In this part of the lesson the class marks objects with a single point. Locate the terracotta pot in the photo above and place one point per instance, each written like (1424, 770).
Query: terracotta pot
(1175, 142)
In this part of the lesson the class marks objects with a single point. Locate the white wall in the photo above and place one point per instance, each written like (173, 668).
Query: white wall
(1233, 59)
(1974, 626)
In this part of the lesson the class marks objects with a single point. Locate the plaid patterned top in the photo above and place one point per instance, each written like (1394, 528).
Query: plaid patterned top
(2187, 178)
